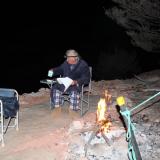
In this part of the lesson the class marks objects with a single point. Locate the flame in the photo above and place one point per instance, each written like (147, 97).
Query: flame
(107, 96)
(105, 127)
(101, 115)
(102, 107)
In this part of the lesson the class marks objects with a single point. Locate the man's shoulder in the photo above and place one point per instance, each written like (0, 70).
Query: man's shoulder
(64, 63)
(83, 62)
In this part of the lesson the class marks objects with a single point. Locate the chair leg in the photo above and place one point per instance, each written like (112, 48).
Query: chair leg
(17, 121)
(84, 101)
(2, 125)
(81, 104)
(88, 101)
(8, 122)
(50, 103)
(2, 131)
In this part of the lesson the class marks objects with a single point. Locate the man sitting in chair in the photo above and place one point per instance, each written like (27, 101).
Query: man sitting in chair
(76, 69)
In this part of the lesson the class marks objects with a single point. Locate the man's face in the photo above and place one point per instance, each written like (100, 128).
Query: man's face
(72, 60)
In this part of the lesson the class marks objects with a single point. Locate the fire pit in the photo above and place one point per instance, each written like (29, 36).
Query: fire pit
(102, 124)
(99, 136)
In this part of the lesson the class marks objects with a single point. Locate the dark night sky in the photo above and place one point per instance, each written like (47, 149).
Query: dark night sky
(36, 36)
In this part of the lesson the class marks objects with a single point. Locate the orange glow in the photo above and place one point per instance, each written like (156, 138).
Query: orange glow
(102, 107)
(107, 96)
(101, 116)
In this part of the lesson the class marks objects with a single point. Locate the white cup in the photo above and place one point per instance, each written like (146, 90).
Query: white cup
(50, 73)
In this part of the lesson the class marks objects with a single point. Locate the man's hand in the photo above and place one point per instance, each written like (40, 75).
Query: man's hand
(74, 82)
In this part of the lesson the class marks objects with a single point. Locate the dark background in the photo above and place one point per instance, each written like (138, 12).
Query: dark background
(36, 35)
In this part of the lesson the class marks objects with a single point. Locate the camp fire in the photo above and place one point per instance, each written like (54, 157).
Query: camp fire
(101, 115)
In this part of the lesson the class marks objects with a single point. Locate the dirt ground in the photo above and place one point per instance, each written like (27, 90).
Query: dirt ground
(41, 135)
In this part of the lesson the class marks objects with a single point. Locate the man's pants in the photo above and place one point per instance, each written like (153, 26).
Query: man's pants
(58, 99)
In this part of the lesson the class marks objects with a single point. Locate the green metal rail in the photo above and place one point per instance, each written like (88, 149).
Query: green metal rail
(133, 150)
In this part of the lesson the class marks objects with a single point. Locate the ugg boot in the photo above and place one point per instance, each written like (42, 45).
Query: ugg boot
(56, 113)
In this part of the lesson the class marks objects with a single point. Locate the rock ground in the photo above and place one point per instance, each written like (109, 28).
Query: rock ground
(41, 136)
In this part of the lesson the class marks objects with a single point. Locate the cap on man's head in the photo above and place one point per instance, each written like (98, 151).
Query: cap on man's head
(71, 53)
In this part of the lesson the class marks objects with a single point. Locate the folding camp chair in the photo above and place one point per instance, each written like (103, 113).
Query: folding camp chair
(9, 108)
(84, 95)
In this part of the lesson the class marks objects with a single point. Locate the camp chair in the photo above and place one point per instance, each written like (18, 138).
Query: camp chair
(9, 107)
(84, 96)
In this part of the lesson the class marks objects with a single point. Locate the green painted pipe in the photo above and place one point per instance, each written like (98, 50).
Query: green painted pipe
(145, 101)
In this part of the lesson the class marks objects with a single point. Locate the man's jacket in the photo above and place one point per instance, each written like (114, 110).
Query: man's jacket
(80, 73)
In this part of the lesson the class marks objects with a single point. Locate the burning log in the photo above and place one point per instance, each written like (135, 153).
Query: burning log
(102, 124)
(95, 134)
